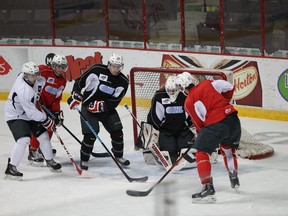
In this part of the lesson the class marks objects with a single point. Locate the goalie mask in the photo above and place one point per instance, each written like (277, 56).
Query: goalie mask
(172, 89)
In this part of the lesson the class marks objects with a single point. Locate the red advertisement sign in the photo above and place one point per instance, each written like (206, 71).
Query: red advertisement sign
(4, 66)
(246, 76)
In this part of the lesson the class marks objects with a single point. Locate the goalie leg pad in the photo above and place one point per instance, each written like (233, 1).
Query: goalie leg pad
(147, 136)
(148, 157)
(165, 162)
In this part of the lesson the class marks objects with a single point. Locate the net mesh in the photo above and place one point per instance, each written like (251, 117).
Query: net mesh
(146, 81)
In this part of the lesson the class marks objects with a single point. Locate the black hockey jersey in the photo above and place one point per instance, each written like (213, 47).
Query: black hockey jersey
(167, 116)
(97, 83)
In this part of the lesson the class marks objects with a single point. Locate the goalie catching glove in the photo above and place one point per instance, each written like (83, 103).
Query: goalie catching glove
(74, 100)
(96, 107)
(49, 124)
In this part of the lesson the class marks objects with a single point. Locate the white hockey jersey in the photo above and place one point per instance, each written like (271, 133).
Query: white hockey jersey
(21, 103)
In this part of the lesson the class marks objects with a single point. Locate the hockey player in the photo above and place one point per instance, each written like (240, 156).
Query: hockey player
(167, 115)
(217, 123)
(23, 118)
(100, 89)
(51, 96)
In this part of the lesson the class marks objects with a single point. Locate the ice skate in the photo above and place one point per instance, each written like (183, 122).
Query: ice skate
(54, 151)
(234, 180)
(35, 158)
(84, 165)
(206, 195)
(12, 172)
(53, 165)
(123, 161)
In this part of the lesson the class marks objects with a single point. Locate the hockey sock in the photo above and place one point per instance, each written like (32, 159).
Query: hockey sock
(18, 150)
(117, 143)
(230, 159)
(87, 147)
(45, 145)
(34, 143)
(204, 166)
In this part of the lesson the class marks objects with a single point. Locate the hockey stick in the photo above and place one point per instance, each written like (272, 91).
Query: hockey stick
(157, 154)
(81, 172)
(145, 193)
(102, 154)
(130, 179)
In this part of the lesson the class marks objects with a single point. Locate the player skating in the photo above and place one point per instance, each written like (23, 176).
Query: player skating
(51, 96)
(100, 90)
(217, 123)
(24, 119)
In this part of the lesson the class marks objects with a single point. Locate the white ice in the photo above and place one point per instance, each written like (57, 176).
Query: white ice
(263, 189)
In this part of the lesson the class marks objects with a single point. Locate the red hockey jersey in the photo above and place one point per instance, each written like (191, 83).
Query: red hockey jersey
(208, 102)
(52, 92)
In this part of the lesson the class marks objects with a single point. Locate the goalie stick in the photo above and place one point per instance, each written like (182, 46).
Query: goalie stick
(157, 154)
(81, 172)
(130, 179)
(95, 154)
(136, 193)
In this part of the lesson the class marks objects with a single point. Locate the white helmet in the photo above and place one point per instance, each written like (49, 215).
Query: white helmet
(60, 61)
(30, 68)
(185, 79)
(116, 60)
(171, 87)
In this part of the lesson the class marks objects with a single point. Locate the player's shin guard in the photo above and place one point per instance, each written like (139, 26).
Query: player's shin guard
(204, 166)
(118, 146)
(117, 143)
(231, 164)
(86, 150)
(229, 156)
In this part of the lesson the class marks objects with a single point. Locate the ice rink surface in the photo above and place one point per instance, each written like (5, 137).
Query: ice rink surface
(263, 190)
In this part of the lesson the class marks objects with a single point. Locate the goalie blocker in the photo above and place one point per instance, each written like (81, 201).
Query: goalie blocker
(148, 141)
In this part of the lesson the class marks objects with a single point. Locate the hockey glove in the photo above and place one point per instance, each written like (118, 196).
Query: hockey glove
(74, 100)
(49, 124)
(59, 118)
(96, 107)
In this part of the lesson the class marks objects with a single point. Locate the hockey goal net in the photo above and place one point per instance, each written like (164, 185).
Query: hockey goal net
(146, 81)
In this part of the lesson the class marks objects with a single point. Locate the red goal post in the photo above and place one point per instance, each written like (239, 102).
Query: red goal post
(144, 82)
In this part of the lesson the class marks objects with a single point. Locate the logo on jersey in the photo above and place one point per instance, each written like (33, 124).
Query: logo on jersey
(50, 80)
(166, 101)
(174, 110)
(227, 111)
(106, 89)
(103, 77)
(54, 91)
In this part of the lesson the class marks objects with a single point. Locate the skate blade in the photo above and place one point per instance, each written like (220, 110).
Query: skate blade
(237, 188)
(55, 171)
(36, 164)
(14, 178)
(205, 200)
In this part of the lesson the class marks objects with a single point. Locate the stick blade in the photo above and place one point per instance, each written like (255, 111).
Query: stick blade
(87, 174)
(137, 193)
(141, 179)
(100, 154)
